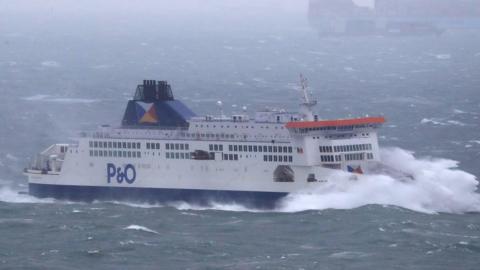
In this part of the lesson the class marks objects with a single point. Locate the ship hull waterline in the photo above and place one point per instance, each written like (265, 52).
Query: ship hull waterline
(197, 197)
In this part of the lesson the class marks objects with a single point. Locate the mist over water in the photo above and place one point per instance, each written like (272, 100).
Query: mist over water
(70, 66)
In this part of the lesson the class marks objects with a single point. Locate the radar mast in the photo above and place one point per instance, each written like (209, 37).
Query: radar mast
(307, 101)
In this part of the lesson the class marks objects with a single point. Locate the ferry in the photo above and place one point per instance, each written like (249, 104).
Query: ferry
(163, 152)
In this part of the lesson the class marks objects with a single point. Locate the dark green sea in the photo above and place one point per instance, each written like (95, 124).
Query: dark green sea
(66, 67)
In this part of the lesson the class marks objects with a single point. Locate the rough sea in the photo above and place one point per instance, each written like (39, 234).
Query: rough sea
(69, 67)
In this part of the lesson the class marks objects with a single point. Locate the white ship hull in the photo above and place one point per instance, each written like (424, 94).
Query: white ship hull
(250, 180)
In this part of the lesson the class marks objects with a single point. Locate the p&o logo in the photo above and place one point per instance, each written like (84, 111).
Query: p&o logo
(126, 173)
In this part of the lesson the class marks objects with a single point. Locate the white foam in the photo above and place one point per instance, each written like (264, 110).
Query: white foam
(438, 187)
(458, 111)
(432, 121)
(35, 97)
(213, 206)
(50, 63)
(348, 255)
(456, 123)
(11, 157)
(48, 98)
(140, 228)
(439, 122)
(12, 196)
(443, 56)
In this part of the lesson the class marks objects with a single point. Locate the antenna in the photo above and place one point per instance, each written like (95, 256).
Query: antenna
(304, 85)
(220, 105)
(308, 102)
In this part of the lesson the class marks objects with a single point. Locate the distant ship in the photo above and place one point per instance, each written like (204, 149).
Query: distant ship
(393, 17)
(163, 152)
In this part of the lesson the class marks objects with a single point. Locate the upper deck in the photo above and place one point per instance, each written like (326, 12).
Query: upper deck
(153, 113)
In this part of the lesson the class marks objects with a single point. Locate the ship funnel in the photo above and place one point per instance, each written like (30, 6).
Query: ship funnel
(152, 90)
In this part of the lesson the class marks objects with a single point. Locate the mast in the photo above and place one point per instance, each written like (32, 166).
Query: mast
(307, 101)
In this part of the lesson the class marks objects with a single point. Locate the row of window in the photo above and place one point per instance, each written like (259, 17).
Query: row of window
(348, 157)
(177, 146)
(345, 148)
(354, 156)
(354, 147)
(110, 153)
(305, 130)
(331, 158)
(215, 147)
(230, 157)
(124, 145)
(177, 155)
(260, 148)
(275, 158)
(209, 135)
(153, 145)
(235, 126)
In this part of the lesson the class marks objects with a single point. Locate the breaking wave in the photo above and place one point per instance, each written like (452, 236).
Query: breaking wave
(140, 228)
(438, 186)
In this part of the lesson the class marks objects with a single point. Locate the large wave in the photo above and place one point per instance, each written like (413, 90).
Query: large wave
(438, 185)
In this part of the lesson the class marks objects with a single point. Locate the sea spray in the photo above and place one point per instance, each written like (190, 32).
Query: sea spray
(438, 186)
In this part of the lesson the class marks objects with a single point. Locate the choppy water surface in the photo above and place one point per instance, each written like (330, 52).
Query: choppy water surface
(55, 82)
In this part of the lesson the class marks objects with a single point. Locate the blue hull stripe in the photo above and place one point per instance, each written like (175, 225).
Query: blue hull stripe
(156, 195)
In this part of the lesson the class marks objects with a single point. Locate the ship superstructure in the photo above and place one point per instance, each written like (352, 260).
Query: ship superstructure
(164, 152)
